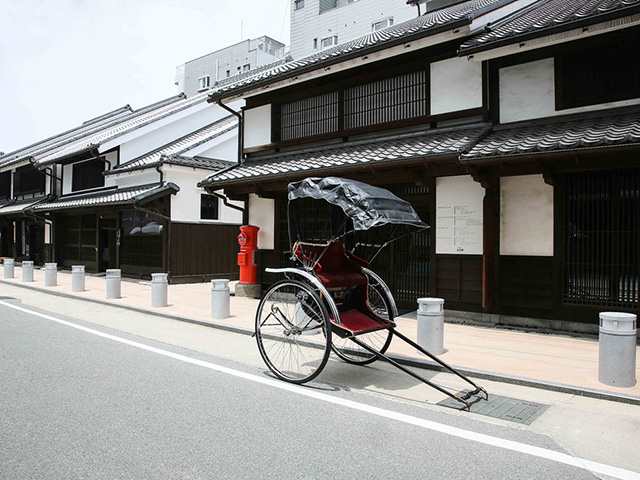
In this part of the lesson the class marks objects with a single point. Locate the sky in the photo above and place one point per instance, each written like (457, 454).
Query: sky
(66, 61)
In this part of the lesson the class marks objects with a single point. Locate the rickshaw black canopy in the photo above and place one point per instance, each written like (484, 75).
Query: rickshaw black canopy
(367, 206)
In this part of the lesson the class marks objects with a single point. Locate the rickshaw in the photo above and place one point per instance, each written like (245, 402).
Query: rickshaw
(331, 299)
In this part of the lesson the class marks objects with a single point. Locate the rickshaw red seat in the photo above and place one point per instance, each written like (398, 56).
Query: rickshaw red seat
(358, 322)
(335, 270)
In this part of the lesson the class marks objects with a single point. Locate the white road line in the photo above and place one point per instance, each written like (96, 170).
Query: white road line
(595, 467)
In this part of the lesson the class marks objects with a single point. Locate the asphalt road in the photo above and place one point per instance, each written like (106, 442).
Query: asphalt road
(79, 405)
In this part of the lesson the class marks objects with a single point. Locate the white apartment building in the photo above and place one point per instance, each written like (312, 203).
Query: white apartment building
(319, 24)
(202, 73)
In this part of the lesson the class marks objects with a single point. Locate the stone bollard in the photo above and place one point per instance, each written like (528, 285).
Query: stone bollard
(220, 298)
(431, 325)
(9, 264)
(27, 271)
(159, 285)
(77, 278)
(113, 283)
(617, 349)
(50, 274)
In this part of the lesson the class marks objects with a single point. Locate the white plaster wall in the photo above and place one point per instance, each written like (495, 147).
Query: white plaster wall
(262, 214)
(130, 179)
(257, 126)
(527, 91)
(456, 84)
(226, 149)
(165, 131)
(185, 205)
(526, 216)
(459, 216)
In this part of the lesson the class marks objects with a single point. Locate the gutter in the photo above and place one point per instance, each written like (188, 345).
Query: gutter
(29, 212)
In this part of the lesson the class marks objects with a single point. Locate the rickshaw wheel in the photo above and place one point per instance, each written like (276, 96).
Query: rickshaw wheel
(288, 316)
(379, 340)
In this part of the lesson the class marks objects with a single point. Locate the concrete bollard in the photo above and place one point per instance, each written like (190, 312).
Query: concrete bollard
(617, 349)
(159, 286)
(431, 325)
(9, 264)
(77, 278)
(113, 283)
(220, 298)
(50, 274)
(27, 271)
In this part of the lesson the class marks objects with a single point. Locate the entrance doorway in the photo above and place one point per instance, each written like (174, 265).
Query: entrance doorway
(107, 255)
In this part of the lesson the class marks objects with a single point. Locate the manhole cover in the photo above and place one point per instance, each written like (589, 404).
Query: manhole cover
(504, 408)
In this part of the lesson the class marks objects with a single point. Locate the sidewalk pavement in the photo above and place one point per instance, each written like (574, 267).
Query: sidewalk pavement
(555, 362)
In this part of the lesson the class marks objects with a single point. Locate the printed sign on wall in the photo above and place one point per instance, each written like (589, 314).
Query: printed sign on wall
(459, 216)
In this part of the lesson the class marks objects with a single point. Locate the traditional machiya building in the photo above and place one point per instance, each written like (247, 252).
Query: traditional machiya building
(124, 194)
(22, 186)
(512, 128)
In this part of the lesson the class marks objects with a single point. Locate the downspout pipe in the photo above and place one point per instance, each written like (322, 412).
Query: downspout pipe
(137, 206)
(48, 171)
(30, 213)
(225, 200)
(240, 130)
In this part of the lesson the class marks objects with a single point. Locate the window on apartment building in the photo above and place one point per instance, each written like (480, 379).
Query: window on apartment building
(386, 100)
(598, 73)
(5, 186)
(329, 41)
(204, 82)
(315, 43)
(208, 207)
(327, 5)
(228, 73)
(87, 175)
(387, 22)
(309, 117)
(27, 181)
(298, 4)
(246, 68)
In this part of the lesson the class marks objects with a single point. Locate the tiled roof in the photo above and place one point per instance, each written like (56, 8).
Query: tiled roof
(547, 17)
(14, 208)
(425, 25)
(587, 133)
(199, 162)
(434, 143)
(49, 144)
(53, 145)
(135, 121)
(120, 196)
(182, 145)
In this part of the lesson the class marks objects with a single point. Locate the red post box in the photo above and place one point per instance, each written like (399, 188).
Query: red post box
(248, 240)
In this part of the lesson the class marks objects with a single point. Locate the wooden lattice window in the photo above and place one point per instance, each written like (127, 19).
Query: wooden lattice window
(309, 117)
(386, 100)
(602, 239)
(598, 73)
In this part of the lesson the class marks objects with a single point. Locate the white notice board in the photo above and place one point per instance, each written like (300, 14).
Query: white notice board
(459, 216)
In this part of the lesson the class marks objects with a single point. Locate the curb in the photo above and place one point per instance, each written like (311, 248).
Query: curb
(412, 362)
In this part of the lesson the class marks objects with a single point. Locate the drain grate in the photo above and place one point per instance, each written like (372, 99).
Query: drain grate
(504, 408)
